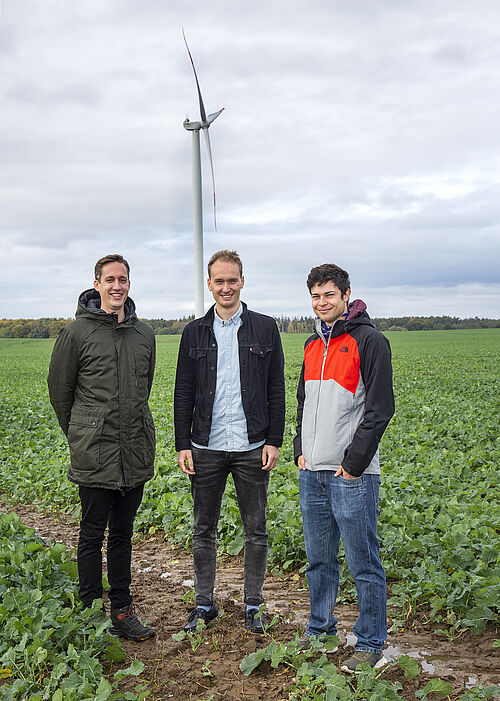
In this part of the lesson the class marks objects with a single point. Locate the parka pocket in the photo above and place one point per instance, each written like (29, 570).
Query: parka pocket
(149, 437)
(139, 358)
(84, 439)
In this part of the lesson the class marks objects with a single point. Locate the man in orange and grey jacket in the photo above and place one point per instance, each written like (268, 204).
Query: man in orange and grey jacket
(345, 402)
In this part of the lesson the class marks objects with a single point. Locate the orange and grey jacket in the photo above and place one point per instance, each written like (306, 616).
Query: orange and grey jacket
(345, 397)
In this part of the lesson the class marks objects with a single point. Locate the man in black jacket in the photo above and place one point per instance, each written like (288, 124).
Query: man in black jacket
(100, 378)
(229, 419)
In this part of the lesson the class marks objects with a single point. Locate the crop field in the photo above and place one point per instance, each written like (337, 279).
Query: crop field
(440, 514)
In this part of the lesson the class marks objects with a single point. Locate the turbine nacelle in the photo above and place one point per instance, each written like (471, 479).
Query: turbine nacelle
(191, 126)
(194, 126)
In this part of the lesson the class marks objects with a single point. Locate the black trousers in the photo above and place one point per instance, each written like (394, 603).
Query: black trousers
(207, 487)
(101, 508)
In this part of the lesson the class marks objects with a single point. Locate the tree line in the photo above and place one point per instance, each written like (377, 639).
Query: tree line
(50, 327)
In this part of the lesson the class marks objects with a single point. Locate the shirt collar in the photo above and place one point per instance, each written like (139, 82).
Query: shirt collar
(326, 329)
(232, 320)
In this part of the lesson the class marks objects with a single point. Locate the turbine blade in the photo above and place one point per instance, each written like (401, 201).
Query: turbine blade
(213, 116)
(209, 149)
(202, 106)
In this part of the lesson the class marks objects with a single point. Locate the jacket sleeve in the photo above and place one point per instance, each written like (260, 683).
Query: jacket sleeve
(152, 362)
(62, 379)
(184, 395)
(276, 392)
(301, 395)
(376, 371)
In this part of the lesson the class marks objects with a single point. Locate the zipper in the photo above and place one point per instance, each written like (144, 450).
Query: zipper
(327, 343)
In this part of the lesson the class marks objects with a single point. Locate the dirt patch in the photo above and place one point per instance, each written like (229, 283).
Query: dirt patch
(162, 579)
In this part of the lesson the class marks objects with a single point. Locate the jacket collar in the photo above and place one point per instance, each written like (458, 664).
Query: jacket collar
(357, 315)
(89, 305)
(208, 319)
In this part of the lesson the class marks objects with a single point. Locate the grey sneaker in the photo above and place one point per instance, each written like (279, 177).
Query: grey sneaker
(376, 660)
(323, 643)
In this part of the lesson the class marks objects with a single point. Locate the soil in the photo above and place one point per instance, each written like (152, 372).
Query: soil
(162, 579)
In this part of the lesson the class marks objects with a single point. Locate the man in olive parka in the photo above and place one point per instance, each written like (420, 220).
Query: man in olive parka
(100, 378)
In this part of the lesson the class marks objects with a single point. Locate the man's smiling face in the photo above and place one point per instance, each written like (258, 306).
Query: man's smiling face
(328, 302)
(225, 284)
(113, 287)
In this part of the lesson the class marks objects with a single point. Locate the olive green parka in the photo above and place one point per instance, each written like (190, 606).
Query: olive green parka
(99, 382)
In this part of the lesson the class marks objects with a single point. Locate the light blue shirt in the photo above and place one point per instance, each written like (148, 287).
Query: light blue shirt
(229, 425)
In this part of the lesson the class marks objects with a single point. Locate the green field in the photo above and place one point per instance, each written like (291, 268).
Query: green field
(49, 646)
(439, 523)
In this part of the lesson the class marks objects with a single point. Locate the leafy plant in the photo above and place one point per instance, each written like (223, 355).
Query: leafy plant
(195, 637)
(50, 647)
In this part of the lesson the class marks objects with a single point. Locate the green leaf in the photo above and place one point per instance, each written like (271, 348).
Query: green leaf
(115, 652)
(278, 652)
(435, 686)
(40, 655)
(236, 545)
(136, 668)
(386, 691)
(34, 547)
(337, 692)
(178, 637)
(104, 690)
(410, 666)
(252, 661)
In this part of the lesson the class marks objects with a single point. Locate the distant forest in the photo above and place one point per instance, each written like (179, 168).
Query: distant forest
(49, 328)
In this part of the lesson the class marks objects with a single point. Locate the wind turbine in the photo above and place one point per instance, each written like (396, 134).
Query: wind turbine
(194, 127)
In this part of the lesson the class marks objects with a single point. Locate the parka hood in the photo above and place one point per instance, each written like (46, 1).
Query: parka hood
(356, 316)
(89, 305)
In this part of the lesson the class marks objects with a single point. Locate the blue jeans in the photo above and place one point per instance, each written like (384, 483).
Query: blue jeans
(212, 468)
(334, 507)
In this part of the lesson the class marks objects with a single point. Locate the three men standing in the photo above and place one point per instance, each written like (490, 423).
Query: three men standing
(229, 419)
(229, 410)
(345, 401)
(100, 378)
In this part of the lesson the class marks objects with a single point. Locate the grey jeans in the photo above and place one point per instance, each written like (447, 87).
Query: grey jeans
(212, 468)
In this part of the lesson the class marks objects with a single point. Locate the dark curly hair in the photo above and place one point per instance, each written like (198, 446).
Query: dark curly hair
(329, 272)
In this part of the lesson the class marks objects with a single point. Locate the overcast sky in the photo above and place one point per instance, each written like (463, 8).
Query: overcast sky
(360, 132)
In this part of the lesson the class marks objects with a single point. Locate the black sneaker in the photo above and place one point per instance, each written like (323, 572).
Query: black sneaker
(199, 614)
(127, 625)
(255, 621)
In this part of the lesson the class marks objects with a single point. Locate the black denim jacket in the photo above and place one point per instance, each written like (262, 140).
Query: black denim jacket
(261, 373)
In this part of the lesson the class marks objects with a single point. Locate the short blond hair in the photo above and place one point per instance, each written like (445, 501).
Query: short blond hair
(229, 257)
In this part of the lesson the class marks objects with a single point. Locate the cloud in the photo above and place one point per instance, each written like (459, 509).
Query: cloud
(360, 133)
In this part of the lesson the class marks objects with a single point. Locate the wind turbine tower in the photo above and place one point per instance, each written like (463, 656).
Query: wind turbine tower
(194, 128)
